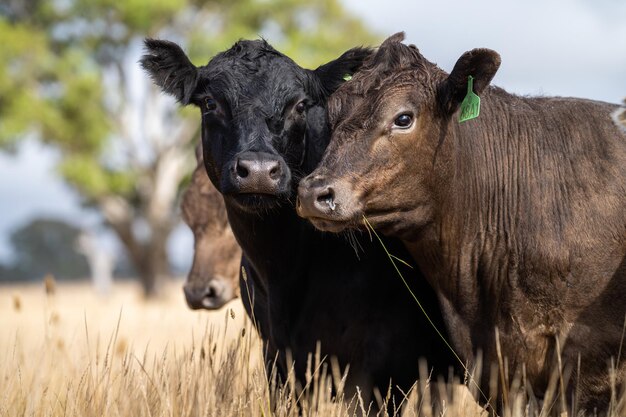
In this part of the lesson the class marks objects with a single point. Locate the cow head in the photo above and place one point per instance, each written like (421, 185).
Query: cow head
(264, 122)
(214, 276)
(387, 123)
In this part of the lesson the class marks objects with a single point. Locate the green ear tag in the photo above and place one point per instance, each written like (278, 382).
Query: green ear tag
(347, 77)
(470, 107)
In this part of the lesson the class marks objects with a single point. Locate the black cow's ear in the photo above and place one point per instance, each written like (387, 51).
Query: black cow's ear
(332, 74)
(170, 69)
(482, 64)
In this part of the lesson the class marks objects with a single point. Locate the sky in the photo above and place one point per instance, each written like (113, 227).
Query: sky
(548, 47)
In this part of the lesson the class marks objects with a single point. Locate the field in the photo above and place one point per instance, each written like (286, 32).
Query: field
(73, 354)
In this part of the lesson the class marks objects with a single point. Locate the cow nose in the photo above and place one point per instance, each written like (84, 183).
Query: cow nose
(207, 297)
(245, 168)
(258, 173)
(315, 198)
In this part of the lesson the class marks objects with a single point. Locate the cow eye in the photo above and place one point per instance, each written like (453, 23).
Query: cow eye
(301, 107)
(403, 121)
(210, 103)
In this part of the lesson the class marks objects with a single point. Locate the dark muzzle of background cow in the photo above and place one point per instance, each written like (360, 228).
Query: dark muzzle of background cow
(210, 296)
(259, 173)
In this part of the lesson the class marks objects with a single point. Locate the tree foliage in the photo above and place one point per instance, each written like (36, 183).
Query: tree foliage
(69, 75)
(46, 246)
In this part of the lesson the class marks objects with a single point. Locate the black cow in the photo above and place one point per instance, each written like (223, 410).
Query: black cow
(264, 126)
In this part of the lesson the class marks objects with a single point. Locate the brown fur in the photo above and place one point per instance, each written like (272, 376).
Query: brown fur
(216, 253)
(517, 218)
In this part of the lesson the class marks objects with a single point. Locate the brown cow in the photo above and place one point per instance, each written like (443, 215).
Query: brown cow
(517, 218)
(214, 276)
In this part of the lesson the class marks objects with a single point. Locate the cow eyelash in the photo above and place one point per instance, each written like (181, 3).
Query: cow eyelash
(300, 107)
(210, 104)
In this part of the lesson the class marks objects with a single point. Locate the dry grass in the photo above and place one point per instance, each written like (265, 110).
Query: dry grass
(69, 353)
(72, 354)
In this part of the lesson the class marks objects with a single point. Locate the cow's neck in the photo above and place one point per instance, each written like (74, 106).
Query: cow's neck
(486, 172)
(516, 176)
(267, 238)
(468, 250)
(274, 245)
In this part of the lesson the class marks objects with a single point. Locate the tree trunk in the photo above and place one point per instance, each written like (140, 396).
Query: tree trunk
(157, 182)
(153, 269)
(155, 266)
(150, 259)
(151, 262)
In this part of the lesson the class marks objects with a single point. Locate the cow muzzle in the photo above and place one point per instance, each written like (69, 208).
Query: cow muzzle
(260, 173)
(328, 205)
(211, 296)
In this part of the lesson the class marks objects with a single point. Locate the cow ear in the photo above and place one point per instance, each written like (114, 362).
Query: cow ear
(332, 74)
(482, 64)
(170, 69)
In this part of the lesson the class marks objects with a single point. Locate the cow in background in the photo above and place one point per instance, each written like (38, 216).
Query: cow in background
(214, 276)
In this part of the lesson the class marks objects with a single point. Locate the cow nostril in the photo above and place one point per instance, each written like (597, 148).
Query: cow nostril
(210, 293)
(242, 170)
(275, 171)
(327, 197)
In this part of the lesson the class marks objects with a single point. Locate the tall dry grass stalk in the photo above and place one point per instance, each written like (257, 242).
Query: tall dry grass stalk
(72, 354)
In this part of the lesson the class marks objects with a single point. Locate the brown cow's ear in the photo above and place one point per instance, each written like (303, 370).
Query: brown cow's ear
(170, 69)
(332, 74)
(482, 64)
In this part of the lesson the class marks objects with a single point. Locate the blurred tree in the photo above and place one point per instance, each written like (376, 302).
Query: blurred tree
(7, 273)
(46, 246)
(70, 76)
